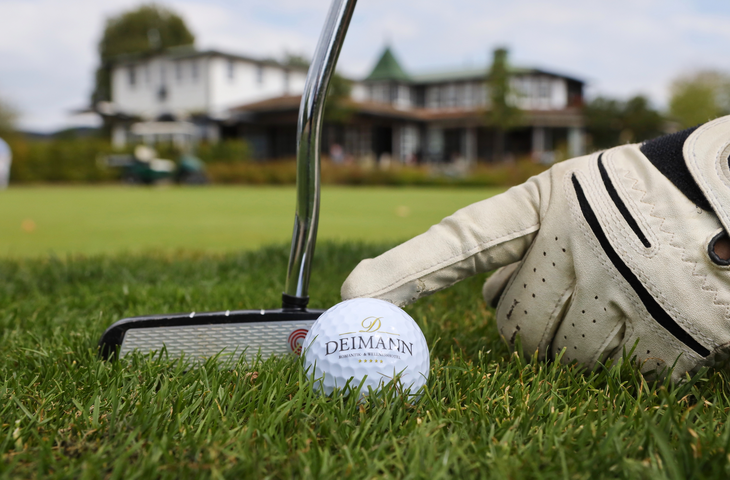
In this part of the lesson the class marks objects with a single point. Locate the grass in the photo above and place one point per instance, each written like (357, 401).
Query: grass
(92, 220)
(485, 413)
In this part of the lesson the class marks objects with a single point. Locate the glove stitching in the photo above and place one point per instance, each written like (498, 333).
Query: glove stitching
(629, 294)
(433, 268)
(598, 252)
(632, 206)
(648, 282)
(683, 256)
(606, 340)
(553, 317)
(615, 225)
(695, 268)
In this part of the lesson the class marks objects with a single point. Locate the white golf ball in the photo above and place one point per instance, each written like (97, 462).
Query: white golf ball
(365, 337)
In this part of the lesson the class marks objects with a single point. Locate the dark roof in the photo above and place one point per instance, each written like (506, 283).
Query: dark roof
(388, 68)
(188, 51)
(290, 104)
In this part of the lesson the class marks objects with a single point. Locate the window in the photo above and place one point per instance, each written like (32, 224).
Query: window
(147, 76)
(132, 75)
(393, 93)
(231, 70)
(286, 81)
(543, 88)
(179, 71)
(195, 69)
(259, 74)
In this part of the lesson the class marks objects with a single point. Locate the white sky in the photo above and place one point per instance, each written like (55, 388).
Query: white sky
(621, 47)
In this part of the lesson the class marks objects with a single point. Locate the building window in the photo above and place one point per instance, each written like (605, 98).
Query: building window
(147, 76)
(286, 81)
(259, 74)
(231, 70)
(195, 69)
(393, 93)
(179, 71)
(132, 75)
(543, 88)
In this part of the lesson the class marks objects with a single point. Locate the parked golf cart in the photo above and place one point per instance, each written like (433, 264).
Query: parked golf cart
(143, 167)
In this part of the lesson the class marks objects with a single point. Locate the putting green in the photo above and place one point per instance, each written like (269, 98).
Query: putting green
(91, 220)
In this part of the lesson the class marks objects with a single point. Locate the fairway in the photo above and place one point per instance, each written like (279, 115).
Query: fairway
(485, 413)
(92, 220)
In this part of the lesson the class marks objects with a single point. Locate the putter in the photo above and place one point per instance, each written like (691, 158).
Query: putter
(233, 333)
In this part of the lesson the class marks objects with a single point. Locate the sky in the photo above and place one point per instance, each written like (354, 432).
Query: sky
(620, 47)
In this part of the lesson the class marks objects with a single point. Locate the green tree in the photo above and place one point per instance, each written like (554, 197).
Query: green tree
(336, 109)
(8, 117)
(612, 122)
(699, 97)
(503, 115)
(296, 60)
(146, 29)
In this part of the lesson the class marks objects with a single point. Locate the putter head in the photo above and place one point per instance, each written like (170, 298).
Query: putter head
(199, 336)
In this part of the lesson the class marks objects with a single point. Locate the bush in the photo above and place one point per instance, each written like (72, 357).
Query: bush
(59, 160)
(283, 172)
(226, 151)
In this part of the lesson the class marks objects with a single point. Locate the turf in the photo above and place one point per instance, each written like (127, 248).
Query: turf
(485, 413)
(91, 220)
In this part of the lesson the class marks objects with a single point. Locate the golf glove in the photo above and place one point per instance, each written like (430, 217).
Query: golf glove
(618, 250)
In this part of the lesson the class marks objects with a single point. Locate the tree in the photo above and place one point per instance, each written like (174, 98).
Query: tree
(8, 117)
(296, 60)
(336, 109)
(699, 97)
(147, 29)
(503, 115)
(612, 122)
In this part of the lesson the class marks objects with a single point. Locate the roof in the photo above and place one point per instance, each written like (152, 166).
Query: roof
(442, 76)
(567, 116)
(388, 68)
(188, 51)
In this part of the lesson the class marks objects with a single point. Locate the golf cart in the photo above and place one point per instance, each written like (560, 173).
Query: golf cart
(143, 167)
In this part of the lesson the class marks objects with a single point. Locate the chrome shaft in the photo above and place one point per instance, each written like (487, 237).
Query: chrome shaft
(309, 129)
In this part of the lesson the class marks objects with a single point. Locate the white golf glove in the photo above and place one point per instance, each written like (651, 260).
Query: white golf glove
(600, 253)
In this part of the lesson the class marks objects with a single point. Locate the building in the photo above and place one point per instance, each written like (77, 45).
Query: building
(194, 88)
(434, 117)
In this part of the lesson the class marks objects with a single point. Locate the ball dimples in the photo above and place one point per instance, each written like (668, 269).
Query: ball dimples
(366, 337)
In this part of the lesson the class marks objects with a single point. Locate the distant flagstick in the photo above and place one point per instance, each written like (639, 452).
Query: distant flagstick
(231, 334)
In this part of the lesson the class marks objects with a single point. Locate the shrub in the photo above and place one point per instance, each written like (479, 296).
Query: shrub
(59, 160)
(284, 172)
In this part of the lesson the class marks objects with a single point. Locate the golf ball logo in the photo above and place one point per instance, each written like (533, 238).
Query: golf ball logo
(367, 342)
(370, 342)
(296, 339)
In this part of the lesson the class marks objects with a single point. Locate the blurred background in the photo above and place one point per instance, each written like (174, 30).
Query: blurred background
(96, 97)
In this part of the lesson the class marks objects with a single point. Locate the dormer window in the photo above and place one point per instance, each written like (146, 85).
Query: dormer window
(259, 74)
(132, 75)
(543, 88)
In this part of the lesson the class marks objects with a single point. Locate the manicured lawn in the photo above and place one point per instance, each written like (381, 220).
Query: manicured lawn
(90, 220)
(484, 414)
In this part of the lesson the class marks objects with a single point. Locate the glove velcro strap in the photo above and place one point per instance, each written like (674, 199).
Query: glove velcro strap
(706, 153)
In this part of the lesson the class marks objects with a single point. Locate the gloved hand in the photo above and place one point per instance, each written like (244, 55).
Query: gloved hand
(602, 252)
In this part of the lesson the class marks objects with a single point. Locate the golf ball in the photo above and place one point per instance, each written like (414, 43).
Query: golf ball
(368, 339)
